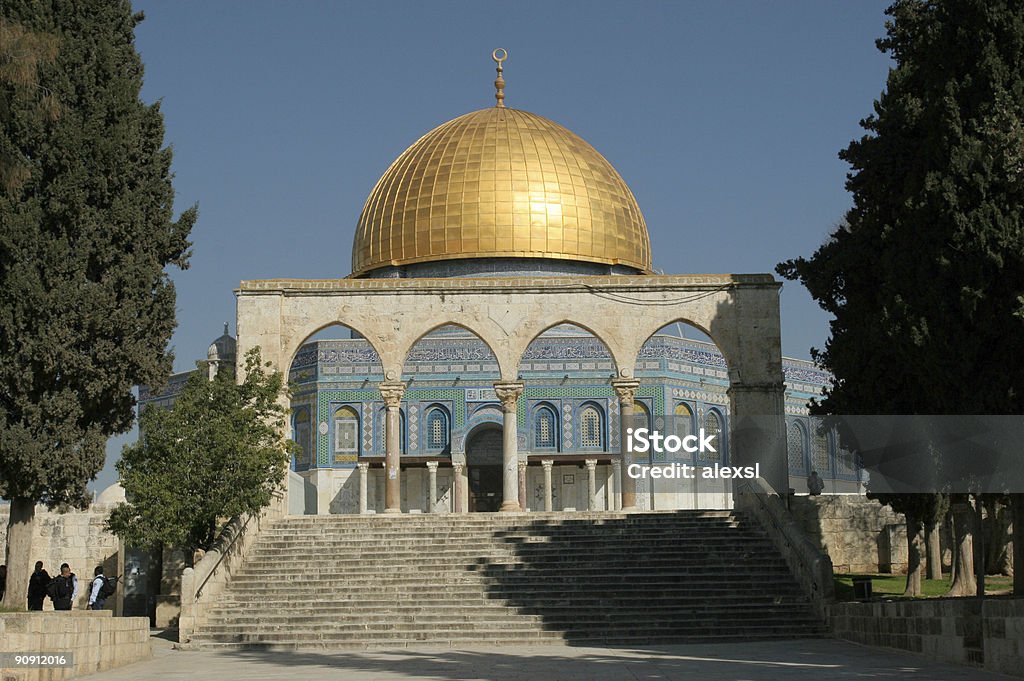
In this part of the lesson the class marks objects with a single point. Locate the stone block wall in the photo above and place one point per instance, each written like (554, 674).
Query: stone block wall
(1003, 635)
(987, 633)
(76, 538)
(859, 534)
(96, 640)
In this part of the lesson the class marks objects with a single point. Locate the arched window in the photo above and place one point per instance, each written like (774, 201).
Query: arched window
(796, 449)
(437, 429)
(820, 460)
(346, 435)
(683, 420)
(301, 432)
(590, 426)
(545, 428)
(713, 427)
(641, 415)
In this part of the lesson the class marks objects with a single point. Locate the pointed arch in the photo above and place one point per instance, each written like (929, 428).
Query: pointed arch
(599, 350)
(796, 448)
(345, 434)
(714, 427)
(477, 350)
(437, 437)
(591, 426)
(545, 427)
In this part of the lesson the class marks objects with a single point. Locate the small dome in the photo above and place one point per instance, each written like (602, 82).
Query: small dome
(222, 348)
(500, 183)
(112, 495)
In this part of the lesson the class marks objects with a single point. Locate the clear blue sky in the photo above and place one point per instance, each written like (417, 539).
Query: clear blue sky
(724, 118)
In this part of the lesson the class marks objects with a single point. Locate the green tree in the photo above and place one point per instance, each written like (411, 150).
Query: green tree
(22, 53)
(87, 308)
(217, 453)
(925, 278)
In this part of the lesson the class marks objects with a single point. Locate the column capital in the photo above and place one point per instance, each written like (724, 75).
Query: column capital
(363, 465)
(509, 394)
(392, 392)
(547, 463)
(432, 465)
(591, 464)
(523, 465)
(457, 467)
(625, 389)
(616, 463)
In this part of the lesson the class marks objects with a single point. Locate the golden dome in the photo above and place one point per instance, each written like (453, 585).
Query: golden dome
(500, 183)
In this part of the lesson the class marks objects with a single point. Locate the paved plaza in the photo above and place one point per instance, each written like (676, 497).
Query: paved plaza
(810, 660)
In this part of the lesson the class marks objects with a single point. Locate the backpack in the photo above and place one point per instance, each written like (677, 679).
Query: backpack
(59, 588)
(108, 588)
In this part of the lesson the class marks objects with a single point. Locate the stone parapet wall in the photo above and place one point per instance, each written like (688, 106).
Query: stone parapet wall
(859, 534)
(77, 538)
(96, 640)
(809, 564)
(987, 633)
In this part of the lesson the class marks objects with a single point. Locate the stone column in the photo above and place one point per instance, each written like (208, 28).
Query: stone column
(509, 394)
(591, 484)
(457, 487)
(757, 431)
(432, 495)
(364, 471)
(625, 390)
(547, 464)
(392, 394)
(614, 484)
(522, 485)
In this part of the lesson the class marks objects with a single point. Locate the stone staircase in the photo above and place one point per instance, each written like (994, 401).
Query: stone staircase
(582, 578)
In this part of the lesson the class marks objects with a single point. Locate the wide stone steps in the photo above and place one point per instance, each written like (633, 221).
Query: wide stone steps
(297, 615)
(601, 578)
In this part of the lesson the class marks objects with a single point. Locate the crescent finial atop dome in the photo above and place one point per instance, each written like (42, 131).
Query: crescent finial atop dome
(499, 55)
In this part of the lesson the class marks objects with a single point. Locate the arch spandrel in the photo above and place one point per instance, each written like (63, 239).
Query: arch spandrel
(739, 312)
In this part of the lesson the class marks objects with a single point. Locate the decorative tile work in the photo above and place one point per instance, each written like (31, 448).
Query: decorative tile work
(323, 453)
(567, 444)
(413, 434)
(454, 395)
(367, 427)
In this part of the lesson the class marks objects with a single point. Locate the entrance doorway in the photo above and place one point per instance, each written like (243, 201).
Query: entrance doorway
(483, 461)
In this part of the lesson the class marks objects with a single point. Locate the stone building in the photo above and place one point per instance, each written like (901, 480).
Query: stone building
(505, 329)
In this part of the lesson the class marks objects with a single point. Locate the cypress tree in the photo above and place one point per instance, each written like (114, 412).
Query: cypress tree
(925, 278)
(85, 236)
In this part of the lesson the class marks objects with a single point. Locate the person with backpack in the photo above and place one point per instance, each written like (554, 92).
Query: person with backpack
(37, 587)
(63, 588)
(102, 589)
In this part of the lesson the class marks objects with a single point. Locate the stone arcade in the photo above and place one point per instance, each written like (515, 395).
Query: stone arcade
(506, 328)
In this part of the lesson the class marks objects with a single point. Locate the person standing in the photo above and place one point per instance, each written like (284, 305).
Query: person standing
(97, 598)
(815, 484)
(64, 588)
(37, 585)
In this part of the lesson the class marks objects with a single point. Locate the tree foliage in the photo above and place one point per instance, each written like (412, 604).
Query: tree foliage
(217, 453)
(86, 233)
(924, 279)
(22, 54)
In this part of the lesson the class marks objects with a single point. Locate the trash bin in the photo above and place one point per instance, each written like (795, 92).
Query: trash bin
(862, 588)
